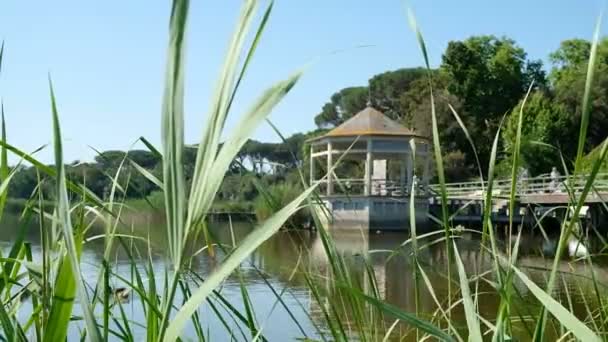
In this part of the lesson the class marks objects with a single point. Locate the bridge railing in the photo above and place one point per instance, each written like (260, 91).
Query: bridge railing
(543, 184)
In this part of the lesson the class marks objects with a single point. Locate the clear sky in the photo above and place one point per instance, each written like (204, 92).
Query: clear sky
(107, 57)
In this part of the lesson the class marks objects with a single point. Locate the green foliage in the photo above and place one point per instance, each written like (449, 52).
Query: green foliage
(271, 200)
(568, 81)
(545, 122)
(489, 75)
(415, 106)
(384, 91)
(343, 105)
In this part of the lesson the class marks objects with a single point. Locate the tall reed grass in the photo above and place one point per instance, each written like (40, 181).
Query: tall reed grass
(350, 307)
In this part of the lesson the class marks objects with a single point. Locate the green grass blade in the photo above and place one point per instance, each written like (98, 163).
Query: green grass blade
(64, 292)
(173, 131)
(586, 109)
(247, 246)
(151, 147)
(567, 231)
(239, 136)
(63, 212)
(470, 140)
(149, 176)
(469, 307)
(251, 52)
(437, 152)
(50, 171)
(404, 316)
(566, 318)
(4, 171)
(207, 149)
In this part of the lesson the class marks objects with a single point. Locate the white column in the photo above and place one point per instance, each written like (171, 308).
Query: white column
(312, 166)
(330, 184)
(368, 169)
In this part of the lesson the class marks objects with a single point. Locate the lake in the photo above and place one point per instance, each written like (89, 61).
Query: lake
(282, 266)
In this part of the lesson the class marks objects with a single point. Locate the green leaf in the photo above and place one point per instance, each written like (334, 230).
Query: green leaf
(4, 171)
(63, 213)
(64, 291)
(404, 316)
(566, 318)
(587, 95)
(173, 132)
(147, 174)
(469, 307)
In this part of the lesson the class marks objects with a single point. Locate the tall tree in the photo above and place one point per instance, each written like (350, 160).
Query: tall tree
(568, 77)
(384, 91)
(489, 75)
(544, 125)
(387, 88)
(342, 106)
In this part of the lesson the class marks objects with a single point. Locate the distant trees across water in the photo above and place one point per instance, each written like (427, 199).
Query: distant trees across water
(262, 160)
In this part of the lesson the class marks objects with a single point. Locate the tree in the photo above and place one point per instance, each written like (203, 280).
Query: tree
(571, 55)
(544, 122)
(342, 106)
(489, 75)
(383, 91)
(568, 77)
(415, 104)
(387, 89)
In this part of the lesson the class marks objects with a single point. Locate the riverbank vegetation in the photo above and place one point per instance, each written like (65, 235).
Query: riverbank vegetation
(491, 76)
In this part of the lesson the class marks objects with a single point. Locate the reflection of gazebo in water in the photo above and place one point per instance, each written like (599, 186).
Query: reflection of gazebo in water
(381, 170)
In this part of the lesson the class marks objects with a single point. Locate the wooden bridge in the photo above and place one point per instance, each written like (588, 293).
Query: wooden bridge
(534, 196)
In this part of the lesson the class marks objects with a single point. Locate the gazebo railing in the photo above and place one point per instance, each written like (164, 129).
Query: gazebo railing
(379, 187)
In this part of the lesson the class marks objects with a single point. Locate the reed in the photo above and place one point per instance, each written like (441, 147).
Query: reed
(350, 304)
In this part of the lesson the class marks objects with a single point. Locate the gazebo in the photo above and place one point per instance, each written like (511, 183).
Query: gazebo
(381, 163)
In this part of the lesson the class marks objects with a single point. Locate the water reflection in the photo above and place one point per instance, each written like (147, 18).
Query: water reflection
(288, 260)
(390, 258)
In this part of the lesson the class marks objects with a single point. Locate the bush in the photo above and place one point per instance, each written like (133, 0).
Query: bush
(276, 197)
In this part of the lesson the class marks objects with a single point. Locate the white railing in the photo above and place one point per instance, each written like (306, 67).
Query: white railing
(543, 184)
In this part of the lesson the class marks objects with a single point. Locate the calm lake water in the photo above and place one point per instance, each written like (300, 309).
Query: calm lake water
(280, 261)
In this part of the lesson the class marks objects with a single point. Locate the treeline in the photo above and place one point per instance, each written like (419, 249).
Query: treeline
(484, 79)
(265, 161)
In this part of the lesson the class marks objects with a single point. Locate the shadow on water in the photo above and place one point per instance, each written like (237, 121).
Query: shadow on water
(284, 260)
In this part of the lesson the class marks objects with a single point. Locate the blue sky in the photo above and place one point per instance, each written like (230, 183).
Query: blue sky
(107, 57)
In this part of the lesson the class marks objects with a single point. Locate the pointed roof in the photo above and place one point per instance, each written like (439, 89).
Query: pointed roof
(367, 122)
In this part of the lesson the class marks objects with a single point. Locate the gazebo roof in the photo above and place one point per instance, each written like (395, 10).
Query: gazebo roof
(370, 122)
